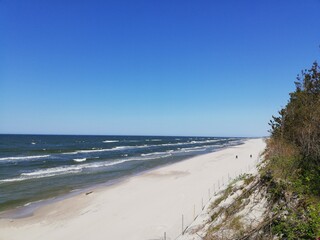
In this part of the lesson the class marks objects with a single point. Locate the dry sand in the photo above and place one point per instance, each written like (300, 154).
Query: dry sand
(140, 207)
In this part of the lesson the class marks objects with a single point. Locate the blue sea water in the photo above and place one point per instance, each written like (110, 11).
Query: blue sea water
(35, 167)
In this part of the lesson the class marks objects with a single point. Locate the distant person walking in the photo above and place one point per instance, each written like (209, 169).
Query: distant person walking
(236, 156)
(250, 155)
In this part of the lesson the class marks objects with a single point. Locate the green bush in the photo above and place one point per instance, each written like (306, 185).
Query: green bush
(299, 224)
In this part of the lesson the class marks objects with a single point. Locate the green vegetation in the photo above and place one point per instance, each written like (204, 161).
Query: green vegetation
(237, 225)
(292, 171)
(289, 181)
(227, 222)
(229, 191)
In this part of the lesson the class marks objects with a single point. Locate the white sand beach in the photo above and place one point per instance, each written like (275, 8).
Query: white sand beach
(140, 207)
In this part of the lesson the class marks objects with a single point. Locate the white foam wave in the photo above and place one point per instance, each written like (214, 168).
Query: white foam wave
(79, 159)
(70, 153)
(51, 172)
(149, 157)
(28, 176)
(195, 149)
(110, 141)
(124, 147)
(191, 148)
(153, 153)
(93, 150)
(188, 143)
(109, 149)
(180, 150)
(142, 146)
(23, 157)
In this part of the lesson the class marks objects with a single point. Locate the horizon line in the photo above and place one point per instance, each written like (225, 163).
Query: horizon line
(129, 135)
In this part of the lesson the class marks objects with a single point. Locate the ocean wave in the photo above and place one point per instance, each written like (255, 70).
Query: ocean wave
(52, 171)
(153, 153)
(70, 153)
(189, 143)
(171, 152)
(74, 169)
(149, 157)
(141, 146)
(56, 171)
(196, 149)
(118, 148)
(109, 149)
(110, 141)
(93, 150)
(124, 147)
(23, 157)
(79, 159)
(40, 174)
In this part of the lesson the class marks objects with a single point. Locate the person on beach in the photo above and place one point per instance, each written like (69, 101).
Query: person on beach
(236, 156)
(250, 155)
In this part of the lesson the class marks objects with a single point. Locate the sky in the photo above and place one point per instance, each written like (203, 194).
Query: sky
(183, 68)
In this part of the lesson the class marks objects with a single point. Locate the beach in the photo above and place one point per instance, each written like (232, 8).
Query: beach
(140, 207)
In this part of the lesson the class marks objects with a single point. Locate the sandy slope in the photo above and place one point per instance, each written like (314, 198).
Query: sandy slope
(141, 207)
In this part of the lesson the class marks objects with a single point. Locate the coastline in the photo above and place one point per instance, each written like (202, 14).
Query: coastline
(143, 206)
(27, 209)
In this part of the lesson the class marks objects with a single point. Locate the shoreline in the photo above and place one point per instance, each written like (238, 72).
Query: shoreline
(151, 201)
(28, 209)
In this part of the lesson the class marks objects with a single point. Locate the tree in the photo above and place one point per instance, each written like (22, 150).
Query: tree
(299, 121)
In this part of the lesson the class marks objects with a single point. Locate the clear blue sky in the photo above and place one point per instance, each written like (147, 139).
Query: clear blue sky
(155, 67)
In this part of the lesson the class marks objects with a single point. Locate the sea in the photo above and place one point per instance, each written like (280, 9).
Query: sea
(34, 168)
